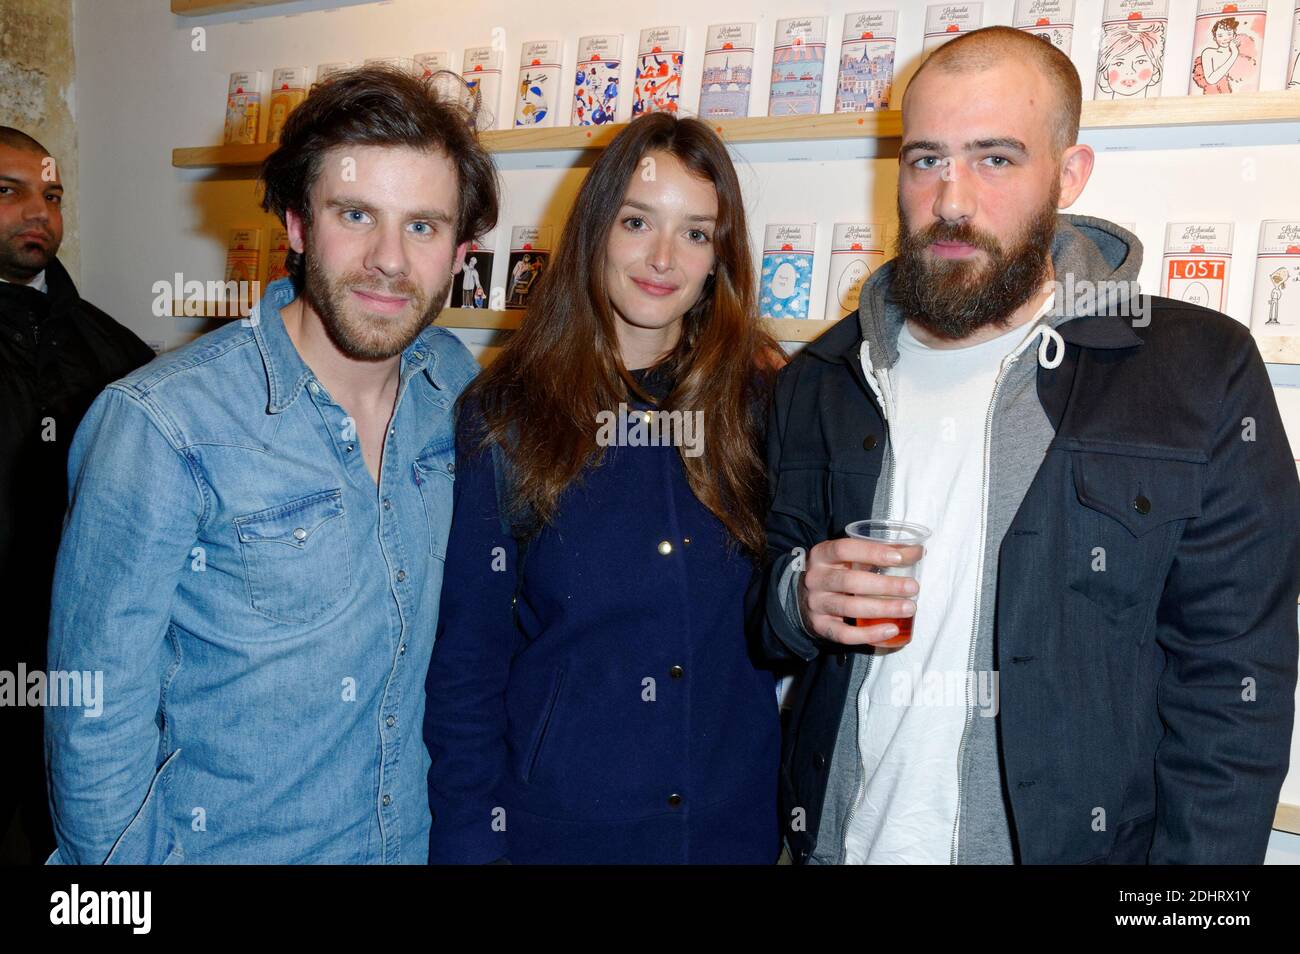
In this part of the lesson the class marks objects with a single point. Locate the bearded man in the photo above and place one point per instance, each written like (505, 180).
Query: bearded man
(253, 555)
(1103, 635)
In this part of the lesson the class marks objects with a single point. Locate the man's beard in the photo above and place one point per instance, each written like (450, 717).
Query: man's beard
(368, 338)
(951, 298)
(25, 259)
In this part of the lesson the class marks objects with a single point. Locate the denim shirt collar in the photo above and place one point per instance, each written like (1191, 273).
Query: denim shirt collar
(287, 374)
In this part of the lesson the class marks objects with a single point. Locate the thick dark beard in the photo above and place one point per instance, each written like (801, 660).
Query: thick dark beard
(952, 299)
(367, 340)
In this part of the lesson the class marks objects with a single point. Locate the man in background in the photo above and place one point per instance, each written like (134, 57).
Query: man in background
(57, 352)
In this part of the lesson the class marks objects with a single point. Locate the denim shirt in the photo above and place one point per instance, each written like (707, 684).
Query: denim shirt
(262, 613)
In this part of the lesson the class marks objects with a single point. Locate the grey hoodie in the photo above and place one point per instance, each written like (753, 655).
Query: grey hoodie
(1087, 253)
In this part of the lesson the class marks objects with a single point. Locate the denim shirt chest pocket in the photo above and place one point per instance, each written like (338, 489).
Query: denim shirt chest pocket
(434, 472)
(296, 557)
(1132, 508)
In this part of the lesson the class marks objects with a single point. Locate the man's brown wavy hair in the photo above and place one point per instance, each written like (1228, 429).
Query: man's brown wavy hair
(382, 106)
(541, 396)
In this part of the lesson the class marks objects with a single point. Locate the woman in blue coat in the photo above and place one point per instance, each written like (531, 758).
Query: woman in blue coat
(591, 696)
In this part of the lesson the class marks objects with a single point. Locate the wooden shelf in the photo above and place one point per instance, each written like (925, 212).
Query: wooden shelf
(200, 8)
(785, 329)
(222, 157)
(480, 318)
(1282, 349)
(205, 309)
(1269, 107)
(885, 124)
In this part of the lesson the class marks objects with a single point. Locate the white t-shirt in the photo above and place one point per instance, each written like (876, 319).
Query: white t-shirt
(912, 704)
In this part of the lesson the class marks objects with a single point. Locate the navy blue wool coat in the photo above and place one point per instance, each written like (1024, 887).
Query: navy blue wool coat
(623, 720)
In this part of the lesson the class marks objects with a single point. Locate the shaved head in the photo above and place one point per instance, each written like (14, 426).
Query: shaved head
(17, 139)
(980, 50)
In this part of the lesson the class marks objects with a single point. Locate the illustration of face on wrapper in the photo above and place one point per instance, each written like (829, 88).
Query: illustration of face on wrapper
(1131, 61)
(1225, 31)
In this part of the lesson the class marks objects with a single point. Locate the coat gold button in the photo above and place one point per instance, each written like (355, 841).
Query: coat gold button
(677, 672)
(665, 547)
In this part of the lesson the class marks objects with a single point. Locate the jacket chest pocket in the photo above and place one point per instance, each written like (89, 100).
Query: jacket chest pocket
(802, 500)
(296, 557)
(1129, 514)
(434, 473)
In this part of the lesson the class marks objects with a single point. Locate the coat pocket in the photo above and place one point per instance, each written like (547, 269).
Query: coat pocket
(296, 557)
(543, 726)
(1122, 528)
(802, 501)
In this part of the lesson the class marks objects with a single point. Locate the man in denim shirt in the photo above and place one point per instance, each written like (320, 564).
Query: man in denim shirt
(253, 555)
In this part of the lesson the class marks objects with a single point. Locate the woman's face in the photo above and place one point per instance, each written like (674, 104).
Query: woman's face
(1223, 36)
(659, 252)
(1130, 72)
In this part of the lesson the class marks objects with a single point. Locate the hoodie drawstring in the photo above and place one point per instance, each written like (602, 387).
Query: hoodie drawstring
(1049, 336)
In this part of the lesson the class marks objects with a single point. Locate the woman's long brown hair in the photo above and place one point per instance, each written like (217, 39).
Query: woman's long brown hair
(541, 396)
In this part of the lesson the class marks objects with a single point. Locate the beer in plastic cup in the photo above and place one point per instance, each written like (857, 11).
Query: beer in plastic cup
(909, 539)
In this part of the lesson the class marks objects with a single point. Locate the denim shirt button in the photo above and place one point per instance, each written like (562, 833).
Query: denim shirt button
(388, 800)
(300, 534)
(401, 576)
(390, 721)
(401, 650)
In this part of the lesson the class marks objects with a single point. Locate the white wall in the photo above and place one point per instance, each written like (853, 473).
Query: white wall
(142, 90)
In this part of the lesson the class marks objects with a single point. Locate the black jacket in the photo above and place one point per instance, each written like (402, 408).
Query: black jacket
(57, 352)
(1165, 693)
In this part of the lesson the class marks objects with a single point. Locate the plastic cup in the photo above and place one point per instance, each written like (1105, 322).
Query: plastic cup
(909, 539)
